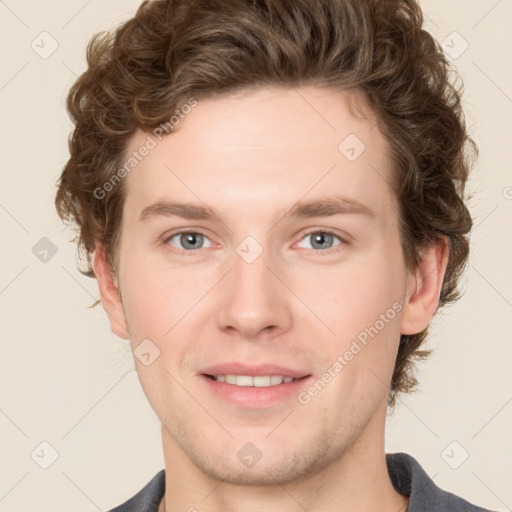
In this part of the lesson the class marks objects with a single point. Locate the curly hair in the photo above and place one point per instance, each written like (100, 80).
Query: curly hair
(172, 50)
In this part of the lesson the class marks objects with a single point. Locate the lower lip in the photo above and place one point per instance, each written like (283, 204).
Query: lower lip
(252, 396)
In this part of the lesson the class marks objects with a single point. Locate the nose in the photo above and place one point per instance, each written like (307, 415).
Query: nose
(253, 301)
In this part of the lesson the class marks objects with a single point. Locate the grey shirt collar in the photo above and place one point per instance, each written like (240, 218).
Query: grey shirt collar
(406, 474)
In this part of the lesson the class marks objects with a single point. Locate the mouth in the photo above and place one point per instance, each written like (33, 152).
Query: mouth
(257, 381)
(254, 387)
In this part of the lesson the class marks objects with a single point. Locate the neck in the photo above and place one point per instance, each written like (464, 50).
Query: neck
(356, 481)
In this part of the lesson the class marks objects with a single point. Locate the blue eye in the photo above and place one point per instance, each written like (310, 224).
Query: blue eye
(191, 241)
(188, 240)
(321, 240)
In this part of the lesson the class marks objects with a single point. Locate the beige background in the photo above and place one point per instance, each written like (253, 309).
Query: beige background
(68, 381)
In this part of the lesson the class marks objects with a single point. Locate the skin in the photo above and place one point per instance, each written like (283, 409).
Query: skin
(251, 157)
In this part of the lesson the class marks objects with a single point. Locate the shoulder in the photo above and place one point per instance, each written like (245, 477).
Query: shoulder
(148, 498)
(409, 478)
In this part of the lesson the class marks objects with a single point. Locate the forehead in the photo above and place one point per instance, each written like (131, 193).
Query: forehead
(264, 148)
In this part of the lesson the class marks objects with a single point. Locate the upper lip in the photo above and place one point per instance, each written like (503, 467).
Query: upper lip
(238, 368)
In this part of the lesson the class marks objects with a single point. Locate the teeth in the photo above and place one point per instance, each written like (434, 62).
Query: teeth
(260, 381)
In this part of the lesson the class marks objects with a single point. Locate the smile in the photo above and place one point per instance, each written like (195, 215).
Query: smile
(259, 381)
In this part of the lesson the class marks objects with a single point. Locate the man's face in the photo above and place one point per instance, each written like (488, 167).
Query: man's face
(262, 290)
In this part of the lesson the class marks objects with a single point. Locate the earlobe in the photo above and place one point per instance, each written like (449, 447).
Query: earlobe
(109, 292)
(424, 288)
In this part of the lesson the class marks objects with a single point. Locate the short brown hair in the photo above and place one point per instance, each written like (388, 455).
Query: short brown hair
(172, 50)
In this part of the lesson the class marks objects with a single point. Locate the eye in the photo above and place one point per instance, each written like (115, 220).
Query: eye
(321, 240)
(187, 240)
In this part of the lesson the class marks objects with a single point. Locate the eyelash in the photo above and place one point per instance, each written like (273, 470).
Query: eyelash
(309, 233)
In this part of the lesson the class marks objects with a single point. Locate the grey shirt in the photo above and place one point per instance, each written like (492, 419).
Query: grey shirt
(406, 474)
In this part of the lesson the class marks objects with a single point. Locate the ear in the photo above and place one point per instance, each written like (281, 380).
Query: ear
(424, 288)
(109, 292)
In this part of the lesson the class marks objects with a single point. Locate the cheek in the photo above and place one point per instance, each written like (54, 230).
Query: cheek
(353, 296)
(362, 304)
(156, 297)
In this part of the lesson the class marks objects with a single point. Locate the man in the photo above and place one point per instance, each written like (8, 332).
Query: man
(270, 195)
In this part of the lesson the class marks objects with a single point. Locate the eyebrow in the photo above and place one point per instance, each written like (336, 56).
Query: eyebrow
(323, 207)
